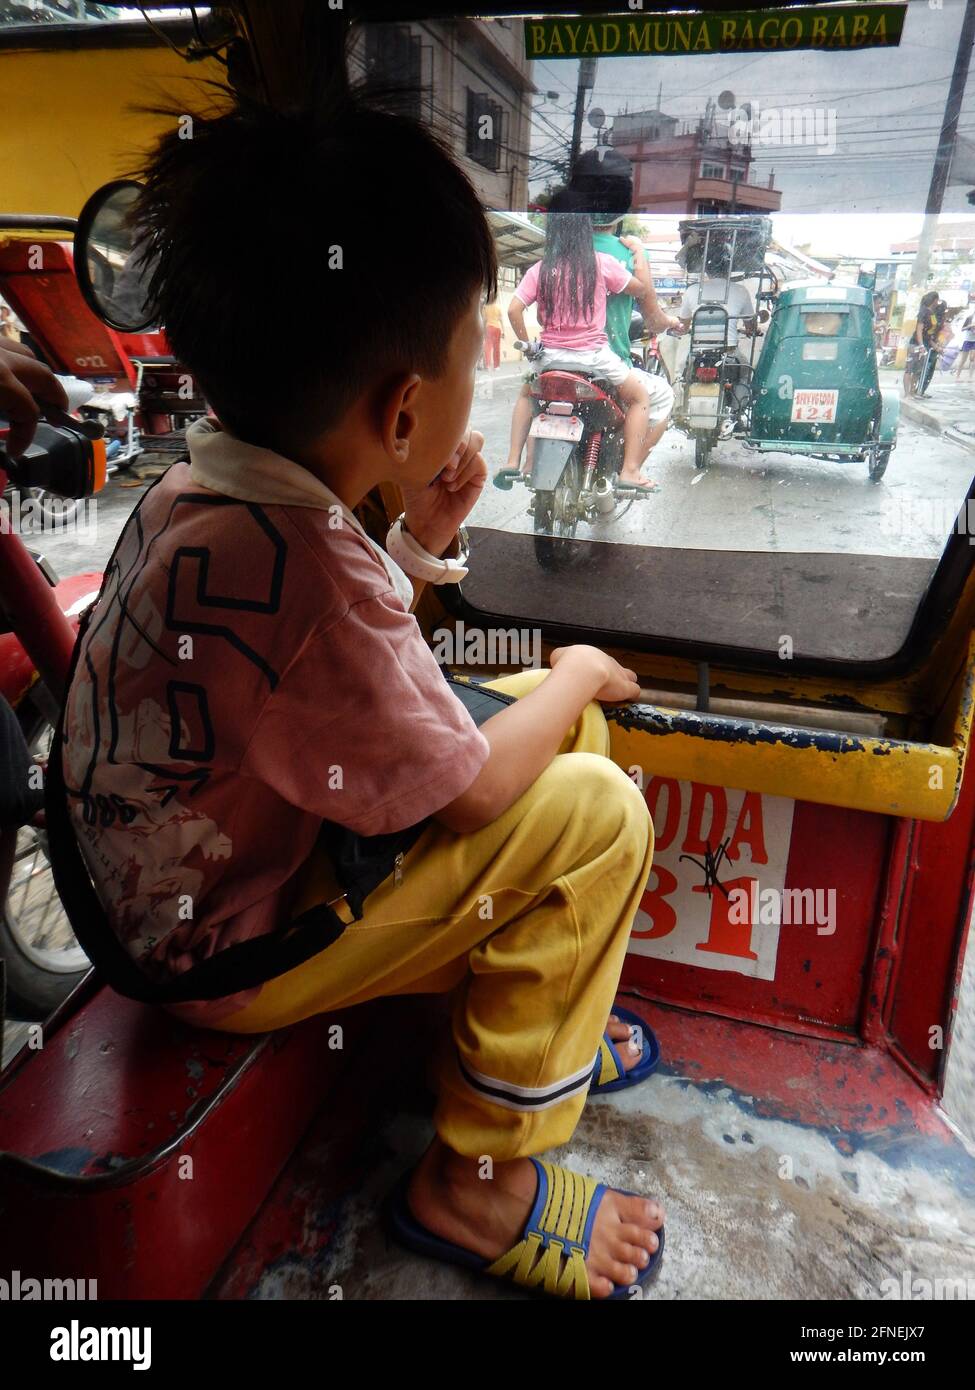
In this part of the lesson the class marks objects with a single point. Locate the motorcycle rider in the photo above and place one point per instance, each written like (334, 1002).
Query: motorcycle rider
(619, 311)
(572, 284)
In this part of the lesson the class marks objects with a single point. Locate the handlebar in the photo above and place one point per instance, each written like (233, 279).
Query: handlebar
(529, 350)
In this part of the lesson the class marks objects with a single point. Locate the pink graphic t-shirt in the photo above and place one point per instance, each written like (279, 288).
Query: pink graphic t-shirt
(612, 277)
(251, 670)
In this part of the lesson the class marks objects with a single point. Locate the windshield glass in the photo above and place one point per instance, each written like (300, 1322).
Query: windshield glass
(818, 447)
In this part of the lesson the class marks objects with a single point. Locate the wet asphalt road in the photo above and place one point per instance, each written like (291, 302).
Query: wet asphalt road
(749, 501)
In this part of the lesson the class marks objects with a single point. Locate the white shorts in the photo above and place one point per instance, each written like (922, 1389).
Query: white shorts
(660, 391)
(604, 362)
(600, 361)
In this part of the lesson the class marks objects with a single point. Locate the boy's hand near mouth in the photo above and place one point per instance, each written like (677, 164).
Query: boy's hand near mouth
(433, 513)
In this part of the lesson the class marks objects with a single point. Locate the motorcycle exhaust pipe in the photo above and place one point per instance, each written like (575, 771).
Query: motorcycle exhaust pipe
(604, 496)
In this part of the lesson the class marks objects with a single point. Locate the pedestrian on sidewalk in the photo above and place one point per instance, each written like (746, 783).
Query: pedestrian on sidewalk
(491, 314)
(923, 354)
(965, 358)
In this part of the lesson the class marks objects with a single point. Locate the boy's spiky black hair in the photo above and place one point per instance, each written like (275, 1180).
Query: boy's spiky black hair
(303, 257)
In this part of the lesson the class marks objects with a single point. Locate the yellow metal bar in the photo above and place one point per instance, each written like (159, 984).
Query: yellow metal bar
(888, 776)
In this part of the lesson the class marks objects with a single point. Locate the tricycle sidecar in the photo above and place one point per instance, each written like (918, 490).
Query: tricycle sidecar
(816, 390)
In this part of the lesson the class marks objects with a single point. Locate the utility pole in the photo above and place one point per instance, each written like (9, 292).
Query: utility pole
(587, 80)
(946, 147)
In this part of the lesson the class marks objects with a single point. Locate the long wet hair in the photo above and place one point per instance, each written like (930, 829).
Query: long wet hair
(567, 279)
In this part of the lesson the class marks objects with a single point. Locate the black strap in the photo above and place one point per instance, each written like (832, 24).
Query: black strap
(238, 967)
(361, 864)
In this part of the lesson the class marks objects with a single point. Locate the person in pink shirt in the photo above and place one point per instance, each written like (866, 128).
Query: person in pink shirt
(570, 286)
(252, 680)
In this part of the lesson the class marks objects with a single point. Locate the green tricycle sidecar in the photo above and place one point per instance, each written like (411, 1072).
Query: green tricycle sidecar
(815, 389)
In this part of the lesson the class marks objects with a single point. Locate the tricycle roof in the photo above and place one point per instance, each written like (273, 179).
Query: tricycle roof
(815, 292)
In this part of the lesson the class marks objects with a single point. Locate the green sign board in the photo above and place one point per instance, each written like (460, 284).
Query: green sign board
(838, 28)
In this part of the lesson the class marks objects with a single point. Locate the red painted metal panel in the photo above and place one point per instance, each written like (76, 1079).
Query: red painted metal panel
(17, 671)
(37, 278)
(37, 612)
(819, 979)
(145, 344)
(849, 1090)
(97, 1129)
(931, 934)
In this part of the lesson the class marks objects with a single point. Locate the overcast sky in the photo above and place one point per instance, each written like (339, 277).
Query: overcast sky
(882, 108)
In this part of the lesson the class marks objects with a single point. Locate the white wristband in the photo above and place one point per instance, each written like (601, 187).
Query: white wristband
(410, 555)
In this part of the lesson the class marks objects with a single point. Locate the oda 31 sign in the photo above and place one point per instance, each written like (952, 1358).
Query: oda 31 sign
(833, 27)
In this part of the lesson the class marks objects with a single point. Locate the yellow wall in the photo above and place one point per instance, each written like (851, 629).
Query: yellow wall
(65, 126)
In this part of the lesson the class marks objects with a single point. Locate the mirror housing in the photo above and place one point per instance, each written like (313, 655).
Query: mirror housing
(110, 260)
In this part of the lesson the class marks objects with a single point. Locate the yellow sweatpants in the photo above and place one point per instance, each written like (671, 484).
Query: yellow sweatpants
(526, 919)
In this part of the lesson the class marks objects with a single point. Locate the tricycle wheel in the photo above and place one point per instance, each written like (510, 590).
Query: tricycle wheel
(703, 444)
(42, 957)
(879, 459)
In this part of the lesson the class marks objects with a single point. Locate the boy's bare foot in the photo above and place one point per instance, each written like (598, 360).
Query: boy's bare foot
(488, 1215)
(630, 1052)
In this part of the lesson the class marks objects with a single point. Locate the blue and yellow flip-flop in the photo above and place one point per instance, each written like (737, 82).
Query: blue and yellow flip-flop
(550, 1257)
(609, 1074)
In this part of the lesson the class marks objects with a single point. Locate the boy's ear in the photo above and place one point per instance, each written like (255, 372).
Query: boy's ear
(398, 420)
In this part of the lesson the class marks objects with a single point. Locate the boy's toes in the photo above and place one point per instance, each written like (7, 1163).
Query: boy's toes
(619, 1034)
(622, 1273)
(636, 1254)
(623, 1242)
(645, 1212)
(639, 1238)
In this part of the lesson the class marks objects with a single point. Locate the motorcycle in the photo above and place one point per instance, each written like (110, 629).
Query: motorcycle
(574, 456)
(105, 414)
(712, 392)
(712, 389)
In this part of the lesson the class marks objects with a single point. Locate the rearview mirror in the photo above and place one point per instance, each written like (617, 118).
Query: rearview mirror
(110, 258)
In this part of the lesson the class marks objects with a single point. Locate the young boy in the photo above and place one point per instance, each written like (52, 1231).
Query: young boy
(252, 668)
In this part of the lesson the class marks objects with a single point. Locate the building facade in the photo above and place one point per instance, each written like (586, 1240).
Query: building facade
(471, 82)
(691, 169)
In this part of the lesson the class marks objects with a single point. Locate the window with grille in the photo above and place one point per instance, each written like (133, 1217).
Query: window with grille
(484, 121)
(394, 55)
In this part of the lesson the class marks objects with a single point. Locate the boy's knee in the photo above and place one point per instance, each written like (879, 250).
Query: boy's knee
(610, 804)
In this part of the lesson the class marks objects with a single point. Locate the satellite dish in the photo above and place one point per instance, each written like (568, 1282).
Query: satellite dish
(596, 117)
(726, 100)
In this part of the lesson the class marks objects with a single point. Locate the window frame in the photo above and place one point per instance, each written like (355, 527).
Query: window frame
(473, 145)
(930, 622)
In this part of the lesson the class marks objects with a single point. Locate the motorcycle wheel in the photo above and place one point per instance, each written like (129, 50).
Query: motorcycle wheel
(879, 459)
(703, 444)
(41, 955)
(556, 519)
